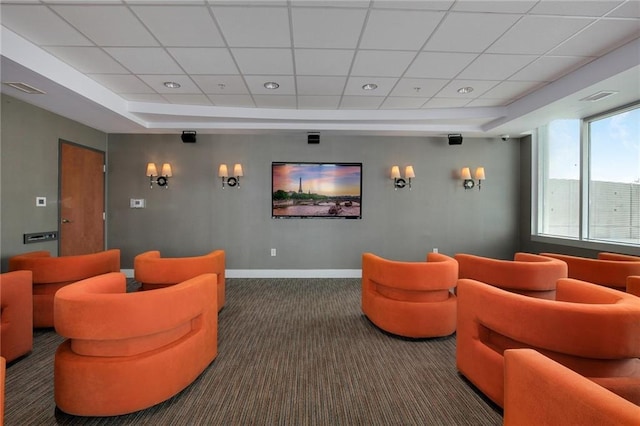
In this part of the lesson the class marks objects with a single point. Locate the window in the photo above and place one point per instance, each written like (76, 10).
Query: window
(589, 178)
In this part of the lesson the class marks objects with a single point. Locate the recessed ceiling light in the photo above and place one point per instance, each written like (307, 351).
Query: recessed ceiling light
(271, 85)
(599, 95)
(24, 87)
(370, 86)
(171, 84)
(464, 90)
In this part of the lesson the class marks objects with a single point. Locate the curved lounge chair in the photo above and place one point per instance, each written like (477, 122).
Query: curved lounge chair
(156, 345)
(609, 269)
(410, 299)
(153, 271)
(16, 303)
(588, 328)
(527, 273)
(52, 273)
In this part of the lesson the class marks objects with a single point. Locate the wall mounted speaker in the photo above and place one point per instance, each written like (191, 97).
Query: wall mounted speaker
(189, 136)
(455, 139)
(313, 138)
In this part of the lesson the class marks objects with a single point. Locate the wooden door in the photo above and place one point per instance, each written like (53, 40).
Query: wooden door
(81, 209)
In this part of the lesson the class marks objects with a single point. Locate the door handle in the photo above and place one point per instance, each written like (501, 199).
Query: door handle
(66, 221)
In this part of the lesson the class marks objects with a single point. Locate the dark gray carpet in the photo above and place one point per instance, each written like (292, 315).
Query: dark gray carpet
(291, 352)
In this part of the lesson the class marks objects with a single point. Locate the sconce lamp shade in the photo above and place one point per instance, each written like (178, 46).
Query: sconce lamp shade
(166, 170)
(222, 171)
(151, 170)
(395, 172)
(480, 173)
(409, 173)
(237, 170)
(465, 173)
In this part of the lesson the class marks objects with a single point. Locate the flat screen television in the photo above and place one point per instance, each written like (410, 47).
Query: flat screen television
(316, 190)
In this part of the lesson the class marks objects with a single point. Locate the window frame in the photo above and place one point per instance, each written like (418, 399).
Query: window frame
(538, 169)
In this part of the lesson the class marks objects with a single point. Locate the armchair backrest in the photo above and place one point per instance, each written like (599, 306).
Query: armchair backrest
(62, 269)
(151, 268)
(527, 273)
(633, 285)
(610, 270)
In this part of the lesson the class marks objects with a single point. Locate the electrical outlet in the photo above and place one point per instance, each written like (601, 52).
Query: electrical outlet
(435, 249)
(273, 252)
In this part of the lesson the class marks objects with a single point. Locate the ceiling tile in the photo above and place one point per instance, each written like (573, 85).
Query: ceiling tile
(526, 37)
(156, 82)
(479, 87)
(264, 61)
(41, 26)
(418, 87)
(256, 84)
(188, 99)
(236, 101)
(190, 26)
(495, 67)
(141, 60)
(594, 8)
(413, 4)
(439, 64)
(122, 83)
(324, 3)
(401, 30)
(630, 9)
(354, 86)
(403, 103)
(221, 84)
(248, 2)
(480, 30)
(255, 26)
(495, 6)
(144, 97)
(275, 101)
(599, 38)
(381, 63)
(204, 60)
(549, 68)
(90, 60)
(445, 103)
(486, 103)
(327, 28)
(511, 90)
(96, 23)
(318, 102)
(320, 85)
(361, 102)
(323, 61)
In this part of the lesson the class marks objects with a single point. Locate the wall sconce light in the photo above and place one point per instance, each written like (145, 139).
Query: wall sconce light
(223, 173)
(398, 181)
(163, 178)
(467, 182)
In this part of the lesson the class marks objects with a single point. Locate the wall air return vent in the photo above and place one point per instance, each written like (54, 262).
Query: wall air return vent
(24, 87)
(599, 95)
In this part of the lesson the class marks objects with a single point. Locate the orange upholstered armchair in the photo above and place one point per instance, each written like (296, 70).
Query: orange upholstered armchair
(527, 273)
(52, 273)
(3, 373)
(16, 314)
(410, 299)
(539, 391)
(129, 351)
(590, 329)
(633, 285)
(153, 271)
(609, 269)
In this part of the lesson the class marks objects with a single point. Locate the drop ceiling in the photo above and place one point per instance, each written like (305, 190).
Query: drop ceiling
(105, 63)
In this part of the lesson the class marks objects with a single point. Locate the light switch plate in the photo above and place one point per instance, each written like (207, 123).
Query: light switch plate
(137, 203)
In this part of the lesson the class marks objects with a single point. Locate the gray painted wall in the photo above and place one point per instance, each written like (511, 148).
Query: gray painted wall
(29, 168)
(195, 215)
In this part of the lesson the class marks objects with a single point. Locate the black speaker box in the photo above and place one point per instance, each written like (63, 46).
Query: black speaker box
(189, 136)
(455, 139)
(313, 138)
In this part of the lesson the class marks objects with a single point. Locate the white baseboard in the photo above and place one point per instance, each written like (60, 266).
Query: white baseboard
(283, 273)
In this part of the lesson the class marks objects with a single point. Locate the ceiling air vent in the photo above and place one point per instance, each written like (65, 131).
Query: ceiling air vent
(599, 95)
(24, 87)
